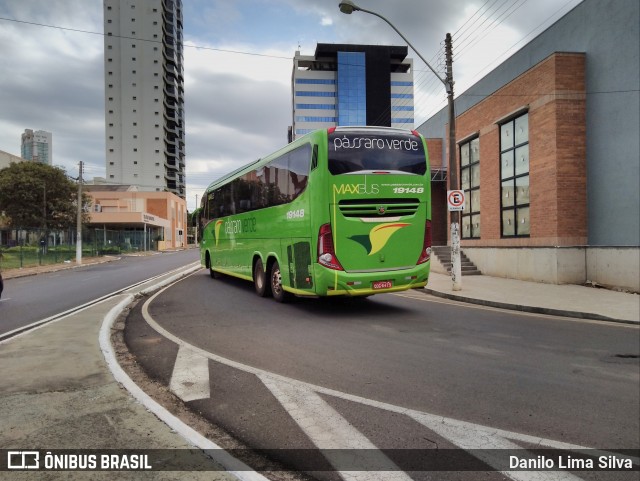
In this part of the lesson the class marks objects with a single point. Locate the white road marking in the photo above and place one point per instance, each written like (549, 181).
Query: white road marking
(469, 436)
(328, 430)
(235, 467)
(462, 434)
(190, 378)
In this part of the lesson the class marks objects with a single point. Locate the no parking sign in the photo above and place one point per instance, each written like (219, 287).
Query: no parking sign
(455, 200)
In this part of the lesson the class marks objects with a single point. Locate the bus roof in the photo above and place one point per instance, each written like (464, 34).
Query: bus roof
(305, 138)
(371, 129)
(256, 164)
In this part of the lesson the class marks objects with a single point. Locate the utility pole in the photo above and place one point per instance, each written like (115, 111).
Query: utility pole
(195, 221)
(43, 240)
(79, 220)
(456, 267)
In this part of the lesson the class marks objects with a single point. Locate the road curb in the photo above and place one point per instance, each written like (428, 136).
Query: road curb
(218, 454)
(531, 309)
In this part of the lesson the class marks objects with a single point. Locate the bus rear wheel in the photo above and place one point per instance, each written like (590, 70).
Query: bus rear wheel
(263, 288)
(279, 294)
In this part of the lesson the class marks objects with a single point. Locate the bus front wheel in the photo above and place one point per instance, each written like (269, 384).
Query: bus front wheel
(263, 288)
(212, 273)
(279, 294)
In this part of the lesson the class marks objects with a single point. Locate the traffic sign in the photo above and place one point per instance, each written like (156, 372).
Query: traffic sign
(455, 200)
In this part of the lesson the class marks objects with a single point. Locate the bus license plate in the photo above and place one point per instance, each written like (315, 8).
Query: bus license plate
(382, 285)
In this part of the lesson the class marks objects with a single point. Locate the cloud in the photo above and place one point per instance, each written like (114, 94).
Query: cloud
(238, 107)
(55, 81)
(326, 21)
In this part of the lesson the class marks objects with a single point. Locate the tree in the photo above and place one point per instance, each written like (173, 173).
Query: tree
(193, 217)
(34, 195)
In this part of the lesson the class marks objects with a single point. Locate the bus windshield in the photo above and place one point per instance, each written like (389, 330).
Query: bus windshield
(361, 152)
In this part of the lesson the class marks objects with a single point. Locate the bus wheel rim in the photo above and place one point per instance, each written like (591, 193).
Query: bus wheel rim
(277, 281)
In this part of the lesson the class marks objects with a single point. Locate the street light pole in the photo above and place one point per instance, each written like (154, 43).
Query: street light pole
(348, 7)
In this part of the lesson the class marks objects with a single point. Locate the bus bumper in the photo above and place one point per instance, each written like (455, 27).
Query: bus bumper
(340, 283)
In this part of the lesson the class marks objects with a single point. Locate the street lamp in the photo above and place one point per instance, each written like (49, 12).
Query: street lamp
(348, 7)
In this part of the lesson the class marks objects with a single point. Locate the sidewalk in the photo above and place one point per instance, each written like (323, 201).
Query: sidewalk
(60, 390)
(34, 270)
(559, 300)
(86, 261)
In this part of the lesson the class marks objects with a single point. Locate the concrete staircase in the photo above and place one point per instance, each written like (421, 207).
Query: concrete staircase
(443, 253)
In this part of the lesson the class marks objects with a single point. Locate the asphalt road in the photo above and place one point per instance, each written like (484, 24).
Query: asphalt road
(561, 379)
(29, 299)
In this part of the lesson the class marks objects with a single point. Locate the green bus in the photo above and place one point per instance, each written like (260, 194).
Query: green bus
(344, 211)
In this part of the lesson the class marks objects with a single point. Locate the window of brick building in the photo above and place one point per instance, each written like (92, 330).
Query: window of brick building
(514, 177)
(470, 183)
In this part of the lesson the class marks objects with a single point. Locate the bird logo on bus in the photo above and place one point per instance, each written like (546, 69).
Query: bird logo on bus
(378, 236)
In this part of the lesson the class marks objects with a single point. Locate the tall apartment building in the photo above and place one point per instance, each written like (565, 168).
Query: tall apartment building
(37, 146)
(144, 94)
(351, 85)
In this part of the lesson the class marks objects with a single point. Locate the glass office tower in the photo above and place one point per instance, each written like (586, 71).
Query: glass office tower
(351, 85)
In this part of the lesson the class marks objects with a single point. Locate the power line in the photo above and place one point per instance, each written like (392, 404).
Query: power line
(494, 20)
(469, 30)
(470, 18)
(481, 35)
(525, 37)
(185, 45)
(463, 34)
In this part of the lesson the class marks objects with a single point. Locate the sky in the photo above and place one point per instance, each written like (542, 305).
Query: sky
(237, 65)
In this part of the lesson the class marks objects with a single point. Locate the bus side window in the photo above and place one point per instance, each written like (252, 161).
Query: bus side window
(298, 170)
(280, 180)
(314, 157)
(209, 208)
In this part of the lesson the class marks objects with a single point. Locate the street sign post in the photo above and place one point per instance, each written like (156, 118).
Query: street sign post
(455, 200)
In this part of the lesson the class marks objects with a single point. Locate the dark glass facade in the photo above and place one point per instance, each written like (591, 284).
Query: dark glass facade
(352, 89)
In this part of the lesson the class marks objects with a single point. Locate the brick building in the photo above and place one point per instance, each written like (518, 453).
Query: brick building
(548, 154)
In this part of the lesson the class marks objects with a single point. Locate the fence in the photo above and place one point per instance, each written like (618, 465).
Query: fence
(105, 241)
(34, 247)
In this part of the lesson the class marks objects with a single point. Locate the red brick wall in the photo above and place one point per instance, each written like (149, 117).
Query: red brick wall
(554, 92)
(439, 217)
(434, 148)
